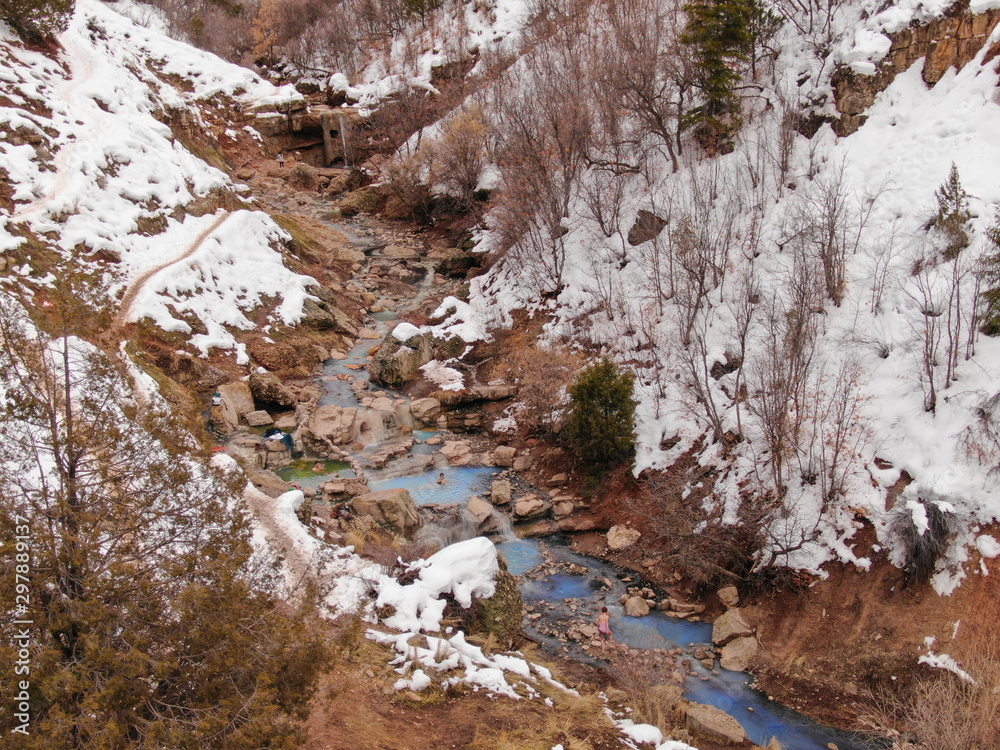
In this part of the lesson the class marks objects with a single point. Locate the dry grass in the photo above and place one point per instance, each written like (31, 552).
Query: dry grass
(947, 712)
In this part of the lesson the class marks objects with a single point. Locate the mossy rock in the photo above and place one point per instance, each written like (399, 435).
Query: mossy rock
(502, 614)
(364, 200)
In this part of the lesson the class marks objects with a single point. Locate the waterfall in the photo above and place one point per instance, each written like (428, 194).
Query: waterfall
(343, 139)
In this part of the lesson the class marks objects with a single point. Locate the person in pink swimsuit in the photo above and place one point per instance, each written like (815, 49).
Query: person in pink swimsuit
(604, 627)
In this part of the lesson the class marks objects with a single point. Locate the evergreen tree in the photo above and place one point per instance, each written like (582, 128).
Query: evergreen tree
(721, 32)
(953, 213)
(151, 622)
(37, 20)
(989, 274)
(601, 420)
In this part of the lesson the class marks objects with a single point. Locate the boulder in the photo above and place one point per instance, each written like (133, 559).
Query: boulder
(562, 507)
(274, 356)
(258, 418)
(425, 409)
(394, 362)
(224, 419)
(636, 606)
(729, 596)
(478, 510)
(457, 452)
(531, 506)
(523, 463)
(504, 456)
(500, 491)
(398, 251)
(267, 388)
(729, 626)
(383, 403)
(331, 425)
(622, 537)
(393, 508)
(714, 724)
(288, 422)
(237, 397)
(737, 654)
(558, 480)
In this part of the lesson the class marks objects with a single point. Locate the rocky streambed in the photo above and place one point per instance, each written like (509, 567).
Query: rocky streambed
(420, 467)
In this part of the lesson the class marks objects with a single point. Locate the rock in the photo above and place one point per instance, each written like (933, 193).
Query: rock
(331, 425)
(729, 596)
(714, 724)
(458, 452)
(636, 606)
(395, 362)
(558, 480)
(531, 506)
(393, 508)
(562, 508)
(370, 334)
(398, 251)
(267, 388)
(258, 418)
(425, 409)
(500, 491)
(647, 226)
(523, 463)
(737, 654)
(287, 422)
(729, 626)
(383, 403)
(223, 419)
(274, 356)
(434, 440)
(237, 398)
(504, 456)
(622, 537)
(478, 510)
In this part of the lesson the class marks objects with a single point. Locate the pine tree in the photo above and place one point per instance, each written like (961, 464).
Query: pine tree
(37, 20)
(989, 274)
(721, 33)
(153, 623)
(953, 214)
(601, 419)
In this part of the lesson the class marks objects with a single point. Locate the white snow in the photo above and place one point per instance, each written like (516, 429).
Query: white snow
(643, 733)
(463, 570)
(110, 164)
(405, 331)
(444, 377)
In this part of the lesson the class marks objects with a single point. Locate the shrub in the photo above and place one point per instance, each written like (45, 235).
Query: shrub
(953, 214)
(37, 20)
(989, 275)
(922, 547)
(602, 408)
(303, 177)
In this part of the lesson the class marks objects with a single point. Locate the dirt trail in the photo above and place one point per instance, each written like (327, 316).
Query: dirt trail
(297, 563)
(136, 286)
(81, 72)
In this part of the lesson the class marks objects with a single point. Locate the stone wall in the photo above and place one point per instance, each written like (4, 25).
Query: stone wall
(943, 43)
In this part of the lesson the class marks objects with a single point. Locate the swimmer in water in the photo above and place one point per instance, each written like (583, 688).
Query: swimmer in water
(441, 479)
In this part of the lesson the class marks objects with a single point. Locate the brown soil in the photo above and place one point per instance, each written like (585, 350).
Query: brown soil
(830, 647)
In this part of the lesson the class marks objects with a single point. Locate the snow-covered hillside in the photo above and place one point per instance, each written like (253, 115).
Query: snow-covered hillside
(798, 320)
(97, 174)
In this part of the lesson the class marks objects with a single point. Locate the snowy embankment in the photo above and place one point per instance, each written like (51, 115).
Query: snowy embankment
(89, 158)
(868, 357)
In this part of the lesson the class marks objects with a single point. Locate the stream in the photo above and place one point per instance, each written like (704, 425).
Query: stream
(556, 596)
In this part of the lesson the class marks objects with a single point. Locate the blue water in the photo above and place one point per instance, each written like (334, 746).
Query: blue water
(462, 483)
(762, 719)
(521, 555)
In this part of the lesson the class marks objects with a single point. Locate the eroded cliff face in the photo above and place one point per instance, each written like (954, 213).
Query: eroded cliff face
(944, 43)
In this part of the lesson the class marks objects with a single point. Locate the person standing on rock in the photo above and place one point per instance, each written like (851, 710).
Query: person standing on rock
(604, 627)
(281, 159)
